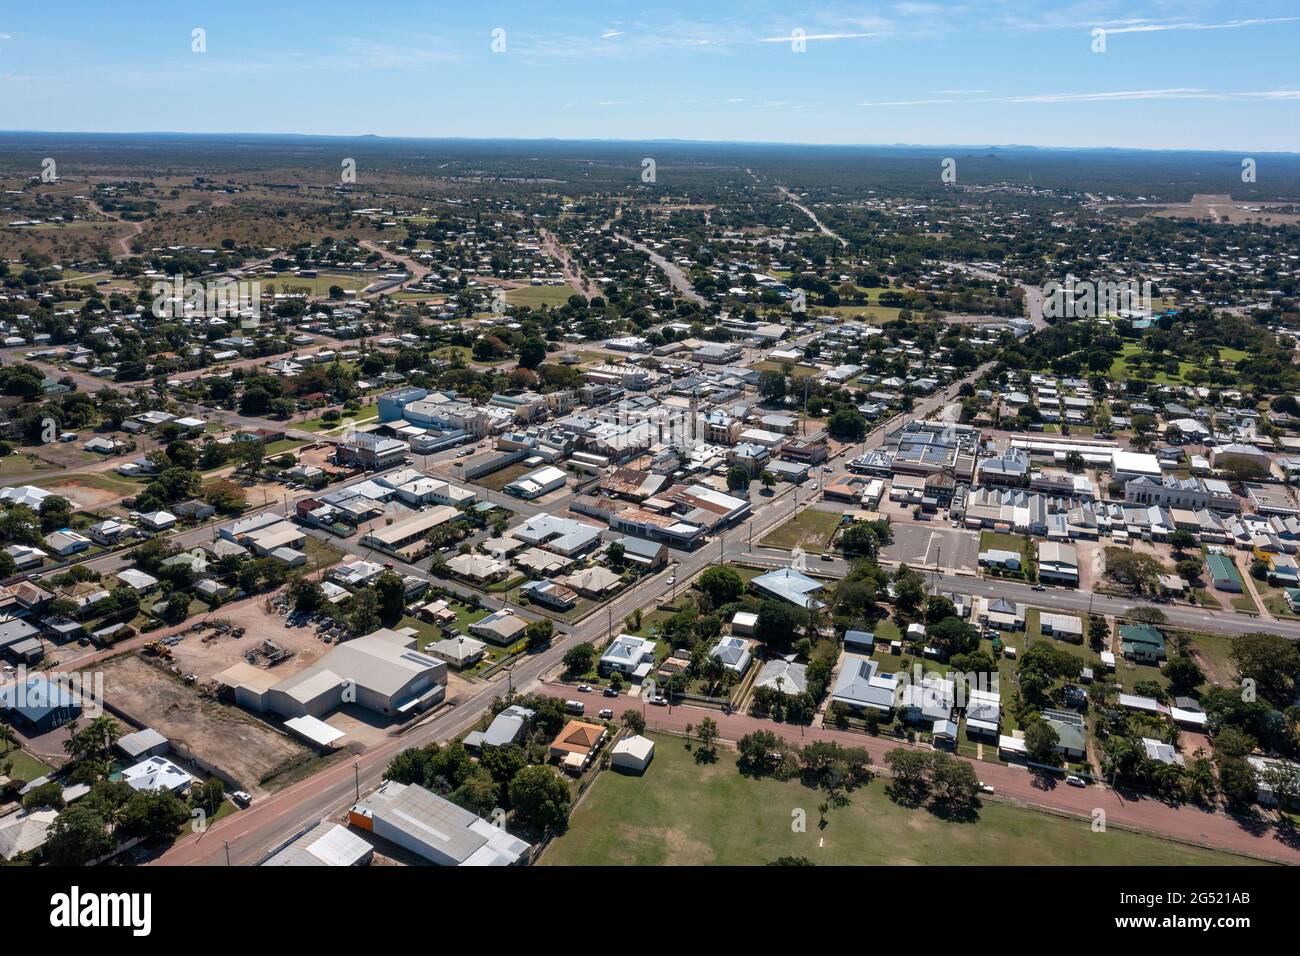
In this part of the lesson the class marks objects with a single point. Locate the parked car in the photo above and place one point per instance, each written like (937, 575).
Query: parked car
(584, 688)
(985, 788)
(610, 692)
(1039, 587)
(606, 714)
(241, 798)
(1075, 780)
(575, 706)
(659, 700)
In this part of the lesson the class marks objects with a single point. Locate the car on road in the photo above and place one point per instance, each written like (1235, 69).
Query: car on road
(1075, 780)
(610, 692)
(241, 799)
(1039, 587)
(827, 556)
(575, 706)
(659, 700)
(672, 579)
(985, 787)
(606, 714)
(584, 688)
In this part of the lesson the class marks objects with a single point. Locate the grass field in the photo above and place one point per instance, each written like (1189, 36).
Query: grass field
(538, 296)
(499, 479)
(683, 813)
(810, 529)
(25, 766)
(20, 463)
(796, 371)
(356, 281)
(367, 413)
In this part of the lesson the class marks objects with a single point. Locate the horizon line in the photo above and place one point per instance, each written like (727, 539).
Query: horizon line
(662, 139)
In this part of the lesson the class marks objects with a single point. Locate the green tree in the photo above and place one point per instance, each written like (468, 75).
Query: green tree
(390, 590)
(363, 614)
(578, 659)
(1040, 743)
(77, 836)
(721, 585)
(633, 720)
(539, 797)
(154, 816)
(539, 633)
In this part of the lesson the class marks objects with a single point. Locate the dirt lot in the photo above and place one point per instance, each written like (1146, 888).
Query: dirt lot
(222, 735)
(193, 656)
(85, 496)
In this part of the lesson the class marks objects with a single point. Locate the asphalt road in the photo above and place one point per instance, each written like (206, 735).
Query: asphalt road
(251, 834)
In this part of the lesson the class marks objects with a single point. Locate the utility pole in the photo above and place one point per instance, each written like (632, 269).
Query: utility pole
(356, 773)
(226, 844)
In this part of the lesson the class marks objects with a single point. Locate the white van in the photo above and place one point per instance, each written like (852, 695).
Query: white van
(575, 706)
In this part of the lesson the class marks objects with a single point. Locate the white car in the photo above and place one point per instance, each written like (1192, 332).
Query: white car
(659, 700)
(1075, 780)
(241, 798)
(672, 579)
(584, 688)
(985, 787)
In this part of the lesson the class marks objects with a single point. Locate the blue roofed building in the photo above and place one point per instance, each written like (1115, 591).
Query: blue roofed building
(39, 703)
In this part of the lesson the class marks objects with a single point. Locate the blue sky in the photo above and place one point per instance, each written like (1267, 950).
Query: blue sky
(1173, 75)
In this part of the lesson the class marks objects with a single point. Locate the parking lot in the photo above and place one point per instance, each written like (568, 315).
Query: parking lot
(924, 544)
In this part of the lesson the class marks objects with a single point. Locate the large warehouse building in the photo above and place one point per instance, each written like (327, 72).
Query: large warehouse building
(381, 672)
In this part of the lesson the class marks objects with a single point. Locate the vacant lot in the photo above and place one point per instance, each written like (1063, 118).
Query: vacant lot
(502, 477)
(686, 814)
(92, 492)
(809, 529)
(194, 656)
(538, 296)
(222, 735)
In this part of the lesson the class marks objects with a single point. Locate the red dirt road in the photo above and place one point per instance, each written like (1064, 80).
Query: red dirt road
(1015, 784)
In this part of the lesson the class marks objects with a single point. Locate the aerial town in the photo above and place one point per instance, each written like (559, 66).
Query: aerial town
(455, 503)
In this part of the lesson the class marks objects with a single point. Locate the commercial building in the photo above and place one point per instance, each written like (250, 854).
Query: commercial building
(537, 483)
(436, 829)
(326, 844)
(398, 538)
(381, 672)
(372, 452)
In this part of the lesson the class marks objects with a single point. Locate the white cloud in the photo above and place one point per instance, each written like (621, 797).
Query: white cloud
(817, 36)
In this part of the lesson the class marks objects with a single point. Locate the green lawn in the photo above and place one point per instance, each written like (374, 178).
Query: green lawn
(796, 371)
(368, 413)
(810, 529)
(25, 766)
(20, 463)
(356, 281)
(502, 477)
(687, 814)
(537, 296)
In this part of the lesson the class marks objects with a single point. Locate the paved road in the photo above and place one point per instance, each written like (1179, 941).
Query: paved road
(676, 277)
(252, 833)
(824, 229)
(1011, 783)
